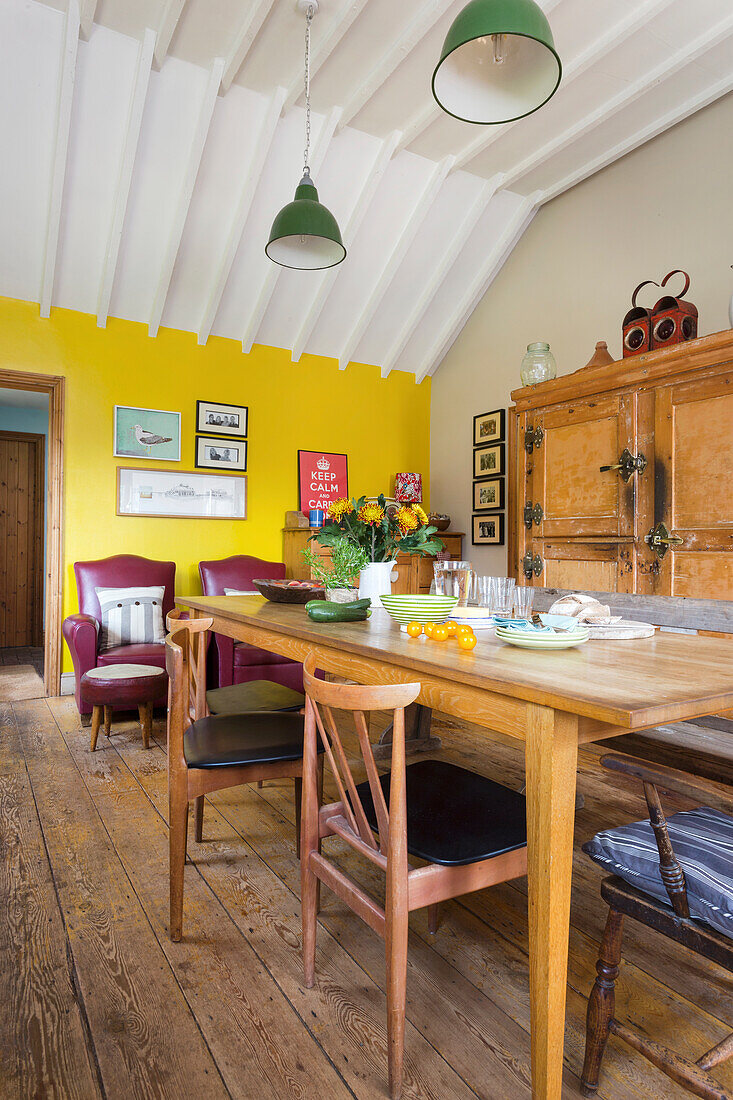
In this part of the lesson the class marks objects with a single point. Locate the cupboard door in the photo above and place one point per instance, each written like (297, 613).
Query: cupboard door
(587, 567)
(576, 497)
(694, 487)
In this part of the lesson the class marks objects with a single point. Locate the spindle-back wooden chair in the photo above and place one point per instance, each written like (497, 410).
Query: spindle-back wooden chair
(363, 810)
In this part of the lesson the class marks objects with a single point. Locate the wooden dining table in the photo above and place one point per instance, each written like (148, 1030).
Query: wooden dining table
(552, 702)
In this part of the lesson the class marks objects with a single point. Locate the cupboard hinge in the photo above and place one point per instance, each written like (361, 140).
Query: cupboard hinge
(532, 513)
(627, 464)
(532, 566)
(533, 438)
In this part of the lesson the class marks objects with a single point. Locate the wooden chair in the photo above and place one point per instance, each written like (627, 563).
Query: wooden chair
(470, 831)
(671, 916)
(210, 752)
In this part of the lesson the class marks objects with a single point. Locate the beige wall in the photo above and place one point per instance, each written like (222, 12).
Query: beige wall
(569, 280)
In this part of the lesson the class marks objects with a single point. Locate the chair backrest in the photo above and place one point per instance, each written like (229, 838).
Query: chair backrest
(185, 661)
(238, 572)
(123, 571)
(321, 698)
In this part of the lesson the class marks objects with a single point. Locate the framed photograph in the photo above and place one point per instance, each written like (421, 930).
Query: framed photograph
(180, 494)
(322, 477)
(488, 530)
(488, 461)
(220, 454)
(488, 496)
(221, 419)
(489, 427)
(147, 433)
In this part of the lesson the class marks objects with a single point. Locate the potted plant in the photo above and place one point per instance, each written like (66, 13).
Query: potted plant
(340, 575)
(381, 533)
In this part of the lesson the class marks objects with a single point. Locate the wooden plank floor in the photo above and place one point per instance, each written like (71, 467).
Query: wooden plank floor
(97, 1002)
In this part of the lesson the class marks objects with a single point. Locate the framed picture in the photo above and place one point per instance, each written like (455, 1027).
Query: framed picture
(489, 427)
(488, 496)
(180, 494)
(147, 433)
(488, 530)
(220, 454)
(221, 419)
(488, 461)
(322, 477)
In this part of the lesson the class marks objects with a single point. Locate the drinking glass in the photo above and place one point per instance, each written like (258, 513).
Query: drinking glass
(523, 601)
(453, 578)
(483, 591)
(503, 593)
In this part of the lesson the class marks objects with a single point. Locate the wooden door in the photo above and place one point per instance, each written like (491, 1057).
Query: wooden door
(587, 566)
(577, 498)
(694, 487)
(21, 538)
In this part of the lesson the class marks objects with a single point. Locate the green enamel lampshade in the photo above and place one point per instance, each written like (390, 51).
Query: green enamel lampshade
(305, 234)
(498, 62)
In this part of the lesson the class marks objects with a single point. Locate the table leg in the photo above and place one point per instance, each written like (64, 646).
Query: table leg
(418, 737)
(551, 762)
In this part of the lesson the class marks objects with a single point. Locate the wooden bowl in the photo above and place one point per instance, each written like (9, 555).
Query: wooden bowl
(442, 522)
(287, 592)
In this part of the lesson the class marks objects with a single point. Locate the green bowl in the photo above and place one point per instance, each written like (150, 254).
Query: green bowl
(419, 609)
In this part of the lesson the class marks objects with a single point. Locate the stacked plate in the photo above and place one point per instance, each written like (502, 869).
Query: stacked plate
(419, 609)
(530, 638)
(477, 617)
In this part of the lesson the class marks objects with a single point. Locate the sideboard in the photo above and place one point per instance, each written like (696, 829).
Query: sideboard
(414, 573)
(621, 475)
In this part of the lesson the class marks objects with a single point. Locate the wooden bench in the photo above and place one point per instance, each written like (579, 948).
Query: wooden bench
(703, 747)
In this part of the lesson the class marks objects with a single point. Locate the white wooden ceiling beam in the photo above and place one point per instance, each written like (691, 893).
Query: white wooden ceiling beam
(395, 257)
(322, 49)
(239, 220)
(273, 270)
(634, 21)
(169, 19)
(184, 197)
(67, 75)
(124, 179)
(481, 282)
(429, 12)
(659, 125)
(327, 278)
(440, 272)
(248, 31)
(86, 15)
(663, 71)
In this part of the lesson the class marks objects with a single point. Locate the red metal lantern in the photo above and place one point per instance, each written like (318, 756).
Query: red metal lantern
(637, 325)
(674, 321)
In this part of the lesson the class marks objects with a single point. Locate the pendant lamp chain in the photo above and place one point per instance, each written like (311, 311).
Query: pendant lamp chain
(307, 88)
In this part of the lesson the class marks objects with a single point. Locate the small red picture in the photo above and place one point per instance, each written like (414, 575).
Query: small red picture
(322, 477)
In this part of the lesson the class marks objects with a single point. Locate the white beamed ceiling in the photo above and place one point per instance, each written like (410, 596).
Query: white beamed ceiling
(147, 145)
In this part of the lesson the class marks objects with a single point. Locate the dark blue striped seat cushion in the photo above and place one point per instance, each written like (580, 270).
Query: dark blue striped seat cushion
(703, 843)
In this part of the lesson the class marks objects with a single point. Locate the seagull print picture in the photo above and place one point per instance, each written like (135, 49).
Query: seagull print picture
(147, 433)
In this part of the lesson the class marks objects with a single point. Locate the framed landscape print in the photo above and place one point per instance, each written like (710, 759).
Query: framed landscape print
(488, 496)
(489, 427)
(180, 494)
(147, 433)
(221, 419)
(488, 530)
(221, 454)
(488, 461)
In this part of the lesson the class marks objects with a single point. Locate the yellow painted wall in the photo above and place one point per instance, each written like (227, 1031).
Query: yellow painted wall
(383, 426)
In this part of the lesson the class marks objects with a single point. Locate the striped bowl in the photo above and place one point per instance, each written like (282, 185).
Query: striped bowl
(419, 609)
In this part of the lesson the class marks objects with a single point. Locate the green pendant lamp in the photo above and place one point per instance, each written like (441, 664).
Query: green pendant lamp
(498, 62)
(305, 235)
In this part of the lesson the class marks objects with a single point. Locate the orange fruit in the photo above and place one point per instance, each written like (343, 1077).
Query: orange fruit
(439, 634)
(467, 641)
(429, 628)
(451, 626)
(414, 629)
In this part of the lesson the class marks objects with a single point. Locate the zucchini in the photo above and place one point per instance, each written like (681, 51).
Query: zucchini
(361, 605)
(322, 611)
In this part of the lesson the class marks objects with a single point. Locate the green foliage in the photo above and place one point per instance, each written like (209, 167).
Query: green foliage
(380, 541)
(347, 561)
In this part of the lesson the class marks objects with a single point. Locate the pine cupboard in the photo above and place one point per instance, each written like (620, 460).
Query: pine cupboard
(621, 476)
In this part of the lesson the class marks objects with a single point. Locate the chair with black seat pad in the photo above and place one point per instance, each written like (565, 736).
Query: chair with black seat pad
(471, 832)
(676, 877)
(208, 752)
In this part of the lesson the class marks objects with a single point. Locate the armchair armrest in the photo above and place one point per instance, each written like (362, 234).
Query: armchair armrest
(80, 634)
(225, 653)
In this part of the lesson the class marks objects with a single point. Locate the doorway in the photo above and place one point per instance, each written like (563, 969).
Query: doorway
(31, 471)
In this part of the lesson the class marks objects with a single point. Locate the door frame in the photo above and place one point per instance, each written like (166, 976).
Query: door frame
(39, 523)
(54, 386)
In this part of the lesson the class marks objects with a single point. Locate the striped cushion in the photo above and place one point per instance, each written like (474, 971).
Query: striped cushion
(703, 843)
(130, 616)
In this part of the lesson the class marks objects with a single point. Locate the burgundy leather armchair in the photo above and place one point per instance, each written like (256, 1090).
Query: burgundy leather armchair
(82, 631)
(239, 662)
